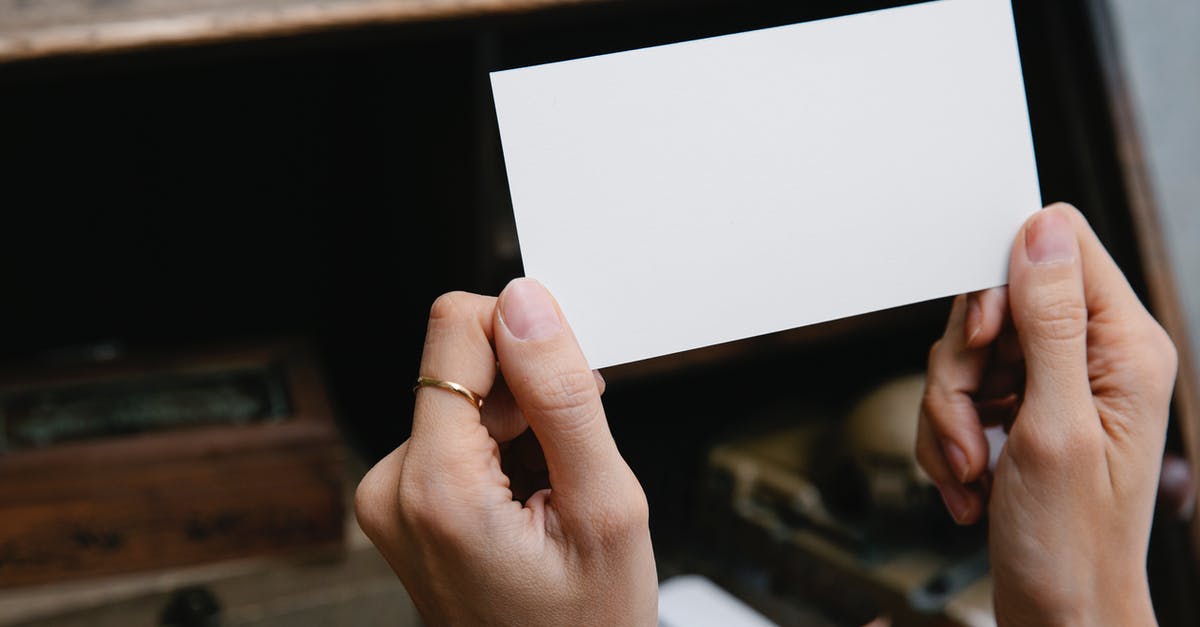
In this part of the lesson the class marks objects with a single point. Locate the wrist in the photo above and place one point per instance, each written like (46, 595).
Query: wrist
(1143, 614)
(1126, 605)
(1130, 605)
(1122, 603)
(1131, 611)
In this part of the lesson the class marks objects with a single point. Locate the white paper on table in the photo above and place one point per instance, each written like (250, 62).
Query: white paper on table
(695, 193)
(695, 601)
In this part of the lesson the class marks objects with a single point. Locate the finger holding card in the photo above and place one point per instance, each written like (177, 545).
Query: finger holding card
(444, 510)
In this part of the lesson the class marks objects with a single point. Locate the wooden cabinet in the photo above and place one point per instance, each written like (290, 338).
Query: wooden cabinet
(208, 456)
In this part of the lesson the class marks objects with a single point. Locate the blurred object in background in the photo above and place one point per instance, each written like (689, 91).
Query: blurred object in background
(835, 515)
(194, 606)
(1160, 53)
(146, 462)
(694, 601)
(30, 30)
(1176, 489)
(879, 435)
(357, 589)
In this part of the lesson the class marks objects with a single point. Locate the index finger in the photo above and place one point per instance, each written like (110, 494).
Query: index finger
(458, 348)
(954, 375)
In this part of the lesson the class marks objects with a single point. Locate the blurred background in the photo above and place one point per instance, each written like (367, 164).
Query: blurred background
(223, 225)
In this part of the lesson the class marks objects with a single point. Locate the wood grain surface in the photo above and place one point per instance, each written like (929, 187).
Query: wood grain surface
(32, 29)
(176, 497)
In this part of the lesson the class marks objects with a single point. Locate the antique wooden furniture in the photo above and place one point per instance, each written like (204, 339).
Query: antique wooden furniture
(31, 30)
(167, 460)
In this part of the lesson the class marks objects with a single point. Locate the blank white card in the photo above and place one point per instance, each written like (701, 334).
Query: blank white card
(686, 195)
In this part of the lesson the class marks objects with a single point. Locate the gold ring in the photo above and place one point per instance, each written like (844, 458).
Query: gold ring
(475, 399)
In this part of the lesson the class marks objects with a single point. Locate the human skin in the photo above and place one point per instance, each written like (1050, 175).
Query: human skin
(1066, 357)
(1074, 366)
(441, 509)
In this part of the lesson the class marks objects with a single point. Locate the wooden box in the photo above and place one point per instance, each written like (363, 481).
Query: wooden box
(101, 504)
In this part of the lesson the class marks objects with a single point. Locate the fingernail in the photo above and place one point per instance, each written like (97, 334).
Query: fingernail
(1049, 238)
(957, 459)
(974, 318)
(528, 311)
(955, 498)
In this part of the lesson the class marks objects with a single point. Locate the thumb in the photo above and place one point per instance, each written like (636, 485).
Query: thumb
(559, 397)
(1049, 311)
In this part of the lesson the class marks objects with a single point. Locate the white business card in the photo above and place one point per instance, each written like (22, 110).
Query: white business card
(696, 193)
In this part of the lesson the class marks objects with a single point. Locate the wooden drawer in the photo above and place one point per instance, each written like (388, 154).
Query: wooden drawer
(169, 496)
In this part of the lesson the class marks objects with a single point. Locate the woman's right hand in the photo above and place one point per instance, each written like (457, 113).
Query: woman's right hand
(1073, 364)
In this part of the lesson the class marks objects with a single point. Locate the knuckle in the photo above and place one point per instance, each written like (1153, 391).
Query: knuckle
(628, 515)
(1040, 449)
(366, 506)
(449, 306)
(416, 506)
(1155, 359)
(1059, 318)
(1160, 351)
(638, 511)
(1053, 448)
(931, 404)
(934, 349)
(1161, 363)
(942, 408)
(1171, 360)
(571, 394)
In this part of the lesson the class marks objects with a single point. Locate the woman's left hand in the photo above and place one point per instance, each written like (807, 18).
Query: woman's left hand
(441, 507)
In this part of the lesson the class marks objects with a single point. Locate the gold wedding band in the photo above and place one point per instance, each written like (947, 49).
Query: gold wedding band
(431, 382)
